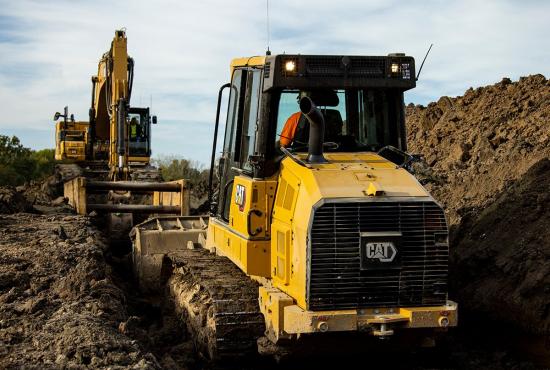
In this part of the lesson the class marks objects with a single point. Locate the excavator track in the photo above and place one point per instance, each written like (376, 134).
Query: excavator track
(100, 171)
(217, 302)
(145, 174)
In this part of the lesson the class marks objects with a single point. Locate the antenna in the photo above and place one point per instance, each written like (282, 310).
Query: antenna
(151, 101)
(268, 52)
(422, 65)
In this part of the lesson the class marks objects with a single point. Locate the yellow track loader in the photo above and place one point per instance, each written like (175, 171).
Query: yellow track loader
(328, 232)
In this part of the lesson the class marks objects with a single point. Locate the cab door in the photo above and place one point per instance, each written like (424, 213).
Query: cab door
(240, 134)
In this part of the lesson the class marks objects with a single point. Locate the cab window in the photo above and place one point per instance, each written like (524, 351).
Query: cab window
(355, 119)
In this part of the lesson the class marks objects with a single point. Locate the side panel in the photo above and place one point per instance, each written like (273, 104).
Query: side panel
(250, 209)
(291, 212)
(245, 239)
(251, 256)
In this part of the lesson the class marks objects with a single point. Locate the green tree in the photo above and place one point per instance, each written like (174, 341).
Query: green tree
(19, 164)
(44, 163)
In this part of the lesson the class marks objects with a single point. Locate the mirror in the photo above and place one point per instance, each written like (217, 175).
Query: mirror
(56, 116)
(154, 120)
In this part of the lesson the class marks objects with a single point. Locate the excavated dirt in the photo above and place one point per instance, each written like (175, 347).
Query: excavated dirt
(59, 306)
(12, 201)
(486, 160)
(476, 145)
(34, 197)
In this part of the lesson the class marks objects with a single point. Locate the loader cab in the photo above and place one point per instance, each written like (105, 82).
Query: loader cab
(361, 99)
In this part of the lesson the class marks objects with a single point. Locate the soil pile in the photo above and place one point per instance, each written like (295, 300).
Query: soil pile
(35, 196)
(59, 306)
(477, 144)
(502, 258)
(486, 160)
(43, 192)
(11, 201)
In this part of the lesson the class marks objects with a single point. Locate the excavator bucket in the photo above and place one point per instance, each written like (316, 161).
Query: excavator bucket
(167, 198)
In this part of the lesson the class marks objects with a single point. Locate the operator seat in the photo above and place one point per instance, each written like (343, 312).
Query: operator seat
(333, 124)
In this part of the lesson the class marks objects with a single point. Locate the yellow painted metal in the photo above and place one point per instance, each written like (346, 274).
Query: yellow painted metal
(111, 84)
(71, 140)
(75, 191)
(345, 176)
(285, 319)
(272, 304)
(256, 61)
(254, 206)
(245, 239)
(168, 198)
(251, 256)
(113, 71)
(138, 159)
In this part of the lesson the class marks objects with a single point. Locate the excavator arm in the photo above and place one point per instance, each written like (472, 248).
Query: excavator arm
(111, 94)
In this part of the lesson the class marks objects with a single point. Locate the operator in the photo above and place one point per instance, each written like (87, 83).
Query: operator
(292, 129)
(133, 129)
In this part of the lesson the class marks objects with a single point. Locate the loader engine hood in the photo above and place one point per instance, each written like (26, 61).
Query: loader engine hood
(361, 232)
(357, 175)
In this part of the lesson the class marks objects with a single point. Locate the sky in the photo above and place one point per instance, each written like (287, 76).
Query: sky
(49, 49)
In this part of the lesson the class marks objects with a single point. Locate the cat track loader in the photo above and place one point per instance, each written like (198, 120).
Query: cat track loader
(331, 233)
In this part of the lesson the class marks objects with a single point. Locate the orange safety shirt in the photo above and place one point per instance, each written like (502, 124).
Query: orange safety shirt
(287, 135)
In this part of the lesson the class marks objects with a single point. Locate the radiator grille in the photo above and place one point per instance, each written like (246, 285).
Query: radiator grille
(336, 280)
(331, 66)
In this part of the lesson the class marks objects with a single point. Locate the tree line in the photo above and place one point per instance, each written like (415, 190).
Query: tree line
(19, 164)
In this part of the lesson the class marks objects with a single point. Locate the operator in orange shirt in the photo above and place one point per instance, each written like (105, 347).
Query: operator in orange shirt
(289, 130)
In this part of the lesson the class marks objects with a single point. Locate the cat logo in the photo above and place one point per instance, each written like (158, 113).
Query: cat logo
(240, 196)
(383, 251)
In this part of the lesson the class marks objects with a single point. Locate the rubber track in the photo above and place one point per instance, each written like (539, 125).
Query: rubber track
(218, 303)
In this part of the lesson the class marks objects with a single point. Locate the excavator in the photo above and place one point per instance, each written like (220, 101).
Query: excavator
(110, 171)
(331, 233)
(116, 142)
(119, 133)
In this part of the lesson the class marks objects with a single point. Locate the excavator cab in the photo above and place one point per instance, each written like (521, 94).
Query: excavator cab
(139, 133)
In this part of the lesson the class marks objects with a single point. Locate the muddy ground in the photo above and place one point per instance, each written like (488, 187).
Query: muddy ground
(67, 302)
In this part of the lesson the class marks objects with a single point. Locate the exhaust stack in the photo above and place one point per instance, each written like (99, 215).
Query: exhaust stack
(316, 130)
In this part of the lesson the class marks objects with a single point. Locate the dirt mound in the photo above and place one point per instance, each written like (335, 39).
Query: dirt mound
(11, 201)
(477, 144)
(502, 258)
(486, 162)
(43, 192)
(35, 196)
(59, 306)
